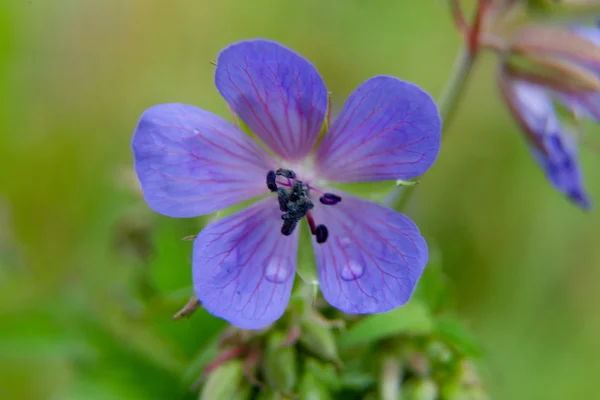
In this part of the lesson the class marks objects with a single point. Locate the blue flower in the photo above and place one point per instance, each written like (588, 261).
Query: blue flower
(191, 162)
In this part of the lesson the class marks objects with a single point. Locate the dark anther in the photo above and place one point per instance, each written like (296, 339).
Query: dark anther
(321, 233)
(283, 198)
(299, 190)
(296, 210)
(295, 203)
(286, 173)
(271, 181)
(330, 199)
(288, 227)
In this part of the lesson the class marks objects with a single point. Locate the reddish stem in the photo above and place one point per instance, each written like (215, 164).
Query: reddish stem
(224, 357)
(250, 364)
(473, 42)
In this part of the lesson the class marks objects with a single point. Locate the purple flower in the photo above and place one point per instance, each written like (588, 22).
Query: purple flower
(191, 162)
(551, 143)
(552, 140)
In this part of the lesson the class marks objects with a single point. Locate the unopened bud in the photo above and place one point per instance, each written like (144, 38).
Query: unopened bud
(422, 389)
(319, 340)
(279, 365)
(555, 42)
(226, 382)
(559, 74)
(312, 388)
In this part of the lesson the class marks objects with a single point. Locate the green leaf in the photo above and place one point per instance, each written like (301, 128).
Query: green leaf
(412, 318)
(454, 333)
(206, 354)
(434, 288)
(171, 263)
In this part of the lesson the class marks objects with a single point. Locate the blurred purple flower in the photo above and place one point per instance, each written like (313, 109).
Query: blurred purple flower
(552, 140)
(551, 143)
(191, 162)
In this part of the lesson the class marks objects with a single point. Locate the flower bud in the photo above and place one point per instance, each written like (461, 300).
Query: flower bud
(226, 382)
(423, 389)
(560, 75)
(319, 340)
(312, 388)
(279, 366)
(554, 58)
(551, 41)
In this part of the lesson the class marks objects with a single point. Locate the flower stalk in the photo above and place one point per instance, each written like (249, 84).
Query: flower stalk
(455, 86)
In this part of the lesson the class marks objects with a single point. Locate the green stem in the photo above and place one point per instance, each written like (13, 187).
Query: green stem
(447, 104)
(454, 89)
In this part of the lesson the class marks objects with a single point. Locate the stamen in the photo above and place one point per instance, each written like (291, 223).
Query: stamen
(271, 176)
(283, 198)
(295, 202)
(311, 223)
(298, 190)
(288, 227)
(321, 233)
(286, 173)
(330, 199)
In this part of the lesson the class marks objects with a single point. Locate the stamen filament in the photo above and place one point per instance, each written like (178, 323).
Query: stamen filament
(311, 223)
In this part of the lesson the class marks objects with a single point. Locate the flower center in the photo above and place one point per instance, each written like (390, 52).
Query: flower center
(295, 202)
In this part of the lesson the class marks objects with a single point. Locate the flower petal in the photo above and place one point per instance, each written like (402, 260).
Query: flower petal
(388, 129)
(276, 92)
(244, 267)
(552, 145)
(372, 259)
(191, 162)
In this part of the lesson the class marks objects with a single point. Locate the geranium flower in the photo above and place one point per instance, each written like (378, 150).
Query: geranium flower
(191, 162)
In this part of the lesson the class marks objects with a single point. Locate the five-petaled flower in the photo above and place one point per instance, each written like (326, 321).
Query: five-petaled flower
(191, 162)
(533, 102)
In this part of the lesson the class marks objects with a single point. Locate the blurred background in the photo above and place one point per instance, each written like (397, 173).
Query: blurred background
(90, 277)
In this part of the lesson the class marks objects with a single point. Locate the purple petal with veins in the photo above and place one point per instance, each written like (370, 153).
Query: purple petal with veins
(372, 258)
(191, 162)
(276, 92)
(388, 129)
(243, 267)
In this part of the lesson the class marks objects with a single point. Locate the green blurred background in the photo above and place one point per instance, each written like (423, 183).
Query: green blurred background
(90, 277)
